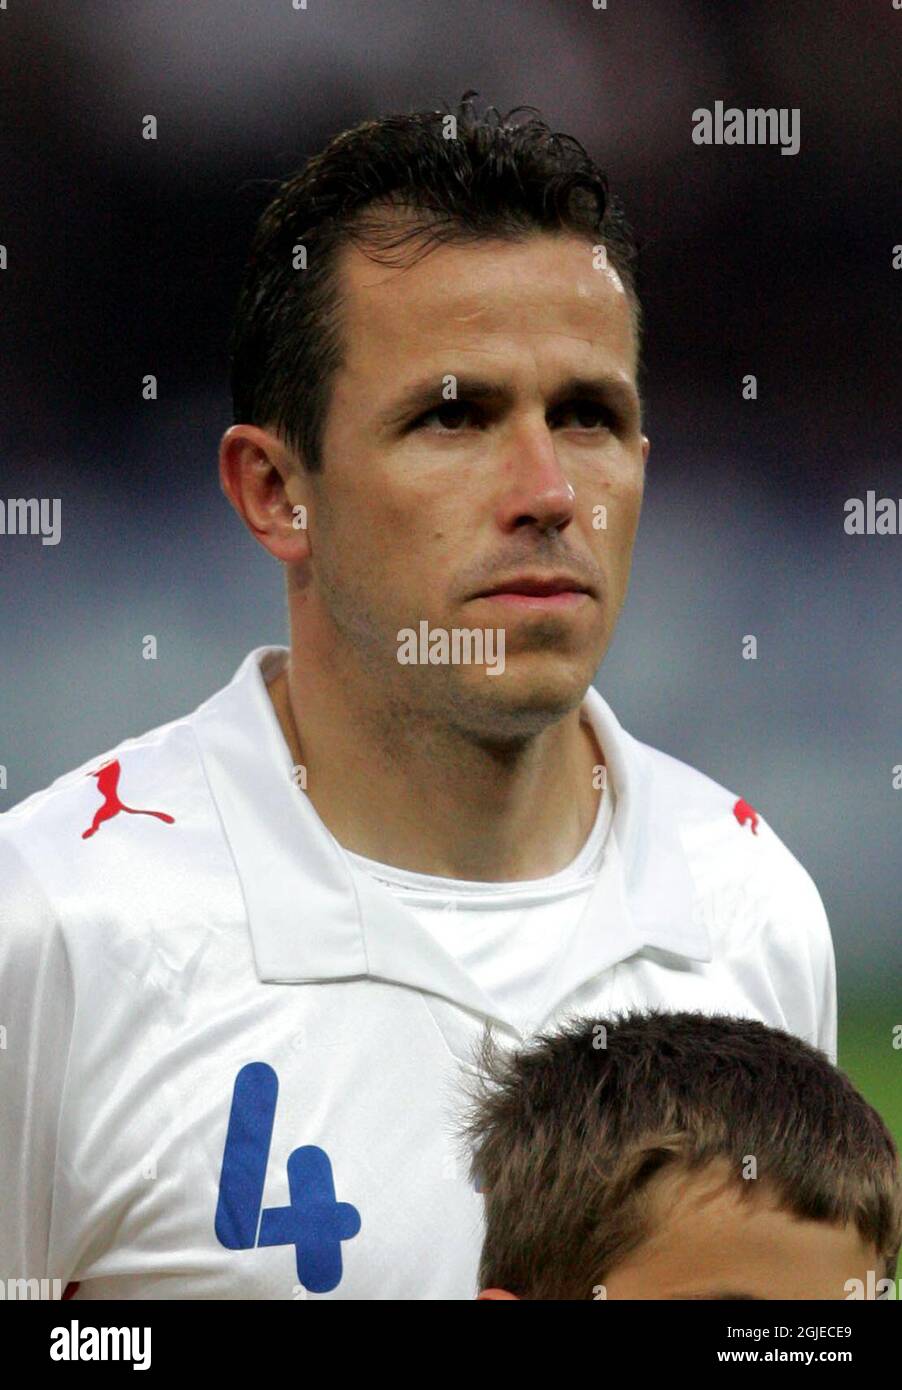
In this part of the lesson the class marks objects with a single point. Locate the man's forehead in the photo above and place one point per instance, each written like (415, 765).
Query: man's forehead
(546, 285)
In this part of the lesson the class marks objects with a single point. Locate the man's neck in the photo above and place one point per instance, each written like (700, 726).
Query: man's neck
(433, 802)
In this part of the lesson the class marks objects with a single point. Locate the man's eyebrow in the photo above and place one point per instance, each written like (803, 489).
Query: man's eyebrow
(717, 1294)
(429, 392)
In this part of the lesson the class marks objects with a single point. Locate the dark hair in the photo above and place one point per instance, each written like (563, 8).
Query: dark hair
(565, 1136)
(492, 178)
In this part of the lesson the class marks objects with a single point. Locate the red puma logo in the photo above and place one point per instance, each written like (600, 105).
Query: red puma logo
(107, 784)
(744, 812)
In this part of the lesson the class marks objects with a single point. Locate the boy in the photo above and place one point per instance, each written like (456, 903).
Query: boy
(678, 1156)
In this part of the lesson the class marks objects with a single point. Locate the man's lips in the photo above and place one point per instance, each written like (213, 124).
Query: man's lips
(543, 593)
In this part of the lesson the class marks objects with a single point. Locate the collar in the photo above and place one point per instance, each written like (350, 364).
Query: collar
(313, 916)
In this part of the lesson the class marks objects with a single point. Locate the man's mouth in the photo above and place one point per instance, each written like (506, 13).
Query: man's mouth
(543, 593)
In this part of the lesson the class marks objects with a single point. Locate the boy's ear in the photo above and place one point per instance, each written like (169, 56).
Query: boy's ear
(497, 1293)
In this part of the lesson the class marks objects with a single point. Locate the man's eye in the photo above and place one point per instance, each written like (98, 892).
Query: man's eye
(586, 414)
(450, 415)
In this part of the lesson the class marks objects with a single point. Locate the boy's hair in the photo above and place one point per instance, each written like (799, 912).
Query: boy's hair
(491, 178)
(566, 1133)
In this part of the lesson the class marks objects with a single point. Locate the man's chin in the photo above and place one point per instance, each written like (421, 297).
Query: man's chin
(519, 702)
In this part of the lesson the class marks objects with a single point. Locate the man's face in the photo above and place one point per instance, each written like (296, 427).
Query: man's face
(710, 1243)
(426, 502)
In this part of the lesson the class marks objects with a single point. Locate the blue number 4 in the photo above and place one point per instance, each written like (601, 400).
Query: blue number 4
(313, 1222)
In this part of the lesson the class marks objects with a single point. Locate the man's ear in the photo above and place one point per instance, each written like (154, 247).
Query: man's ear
(646, 446)
(498, 1293)
(268, 490)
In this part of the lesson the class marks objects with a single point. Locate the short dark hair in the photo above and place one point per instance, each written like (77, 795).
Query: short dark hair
(495, 178)
(565, 1136)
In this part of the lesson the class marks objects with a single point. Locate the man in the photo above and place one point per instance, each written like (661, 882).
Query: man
(242, 971)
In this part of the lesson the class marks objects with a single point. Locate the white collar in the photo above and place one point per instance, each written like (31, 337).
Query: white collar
(313, 916)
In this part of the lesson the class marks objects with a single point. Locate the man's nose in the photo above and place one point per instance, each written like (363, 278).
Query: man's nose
(535, 490)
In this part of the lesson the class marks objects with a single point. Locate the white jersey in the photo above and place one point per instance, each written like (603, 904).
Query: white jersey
(231, 1059)
(508, 937)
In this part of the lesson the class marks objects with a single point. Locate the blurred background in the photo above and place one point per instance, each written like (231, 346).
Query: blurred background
(123, 259)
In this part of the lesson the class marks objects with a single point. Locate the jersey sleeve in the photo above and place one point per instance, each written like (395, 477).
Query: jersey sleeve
(798, 946)
(807, 913)
(36, 1015)
(824, 963)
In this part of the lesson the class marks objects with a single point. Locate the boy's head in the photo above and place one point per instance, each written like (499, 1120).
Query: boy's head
(678, 1156)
